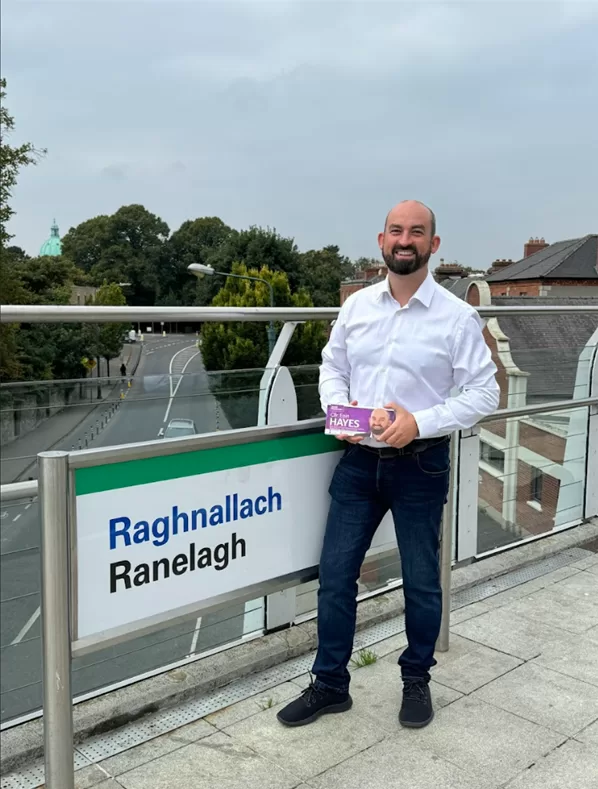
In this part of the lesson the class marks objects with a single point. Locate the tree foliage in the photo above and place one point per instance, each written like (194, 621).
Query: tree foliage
(234, 346)
(321, 272)
(126, 247)
(110, 335)
(12, 159)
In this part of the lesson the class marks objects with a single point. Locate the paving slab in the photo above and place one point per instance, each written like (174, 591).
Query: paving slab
(557, 609)
(468, 612)
(216, 761)
(590, 734)
(573, 765)
(593, 568)
(469, 665)
(256, 704)
(154, 749)
(592, 634)
(583, 584)
(396, 763)
(507, 632)
(488, 743)
(591, 560)
(377, 691)
(543, 696)
(110, 783)
(576, 658)
(91, 776)
(307, 751)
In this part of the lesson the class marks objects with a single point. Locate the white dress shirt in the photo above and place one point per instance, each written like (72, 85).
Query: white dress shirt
(415, 356)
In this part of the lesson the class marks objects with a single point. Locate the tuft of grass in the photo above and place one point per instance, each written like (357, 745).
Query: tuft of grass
(365, 657)
(267, 703)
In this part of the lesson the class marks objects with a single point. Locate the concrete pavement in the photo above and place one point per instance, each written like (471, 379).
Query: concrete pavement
(18, 457)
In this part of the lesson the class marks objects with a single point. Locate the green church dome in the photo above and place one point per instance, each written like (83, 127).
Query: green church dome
(52, 246)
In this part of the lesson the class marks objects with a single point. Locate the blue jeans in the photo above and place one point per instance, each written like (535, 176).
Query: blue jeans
(414, 487)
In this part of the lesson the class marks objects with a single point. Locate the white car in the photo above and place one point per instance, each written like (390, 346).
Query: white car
(177, 428)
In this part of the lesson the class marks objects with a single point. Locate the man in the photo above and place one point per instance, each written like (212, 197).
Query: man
(379, 421)
(404, 344)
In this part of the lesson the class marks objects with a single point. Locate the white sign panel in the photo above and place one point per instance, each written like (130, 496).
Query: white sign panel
(148, 545)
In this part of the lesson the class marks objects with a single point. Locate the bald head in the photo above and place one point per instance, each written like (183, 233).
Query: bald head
(409, 207)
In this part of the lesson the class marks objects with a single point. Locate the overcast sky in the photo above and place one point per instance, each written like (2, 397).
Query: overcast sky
(310, 116)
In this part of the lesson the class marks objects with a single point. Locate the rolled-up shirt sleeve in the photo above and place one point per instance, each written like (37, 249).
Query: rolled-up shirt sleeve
(335, 373)
(474, 374)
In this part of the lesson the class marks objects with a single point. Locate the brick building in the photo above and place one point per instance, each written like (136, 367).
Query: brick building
(364, 278)
(565, 268)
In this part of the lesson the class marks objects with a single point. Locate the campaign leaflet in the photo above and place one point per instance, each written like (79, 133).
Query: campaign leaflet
(352, 420)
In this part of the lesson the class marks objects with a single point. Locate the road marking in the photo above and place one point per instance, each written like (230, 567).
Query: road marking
(27, 506)
(16, 518)
(26, 627)
(174, 390)
(195, 637)
(4, 515)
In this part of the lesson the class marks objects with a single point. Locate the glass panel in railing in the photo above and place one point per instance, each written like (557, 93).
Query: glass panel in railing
(531, 476)
(167, 393)
(306, 386)
(170, 397)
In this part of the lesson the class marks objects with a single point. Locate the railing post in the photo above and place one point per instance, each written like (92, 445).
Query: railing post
(56, 638)
(591, 487)
(467, 482)
(446, 548)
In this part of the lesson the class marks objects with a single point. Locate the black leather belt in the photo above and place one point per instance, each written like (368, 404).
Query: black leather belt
(414, 448)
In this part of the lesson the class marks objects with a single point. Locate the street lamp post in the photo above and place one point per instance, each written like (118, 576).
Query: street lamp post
(200, 270)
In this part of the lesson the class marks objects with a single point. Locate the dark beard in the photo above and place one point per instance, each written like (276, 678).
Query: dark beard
(405, 267)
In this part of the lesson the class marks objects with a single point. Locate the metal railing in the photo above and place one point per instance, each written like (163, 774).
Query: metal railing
(68, 314)
(54, 596)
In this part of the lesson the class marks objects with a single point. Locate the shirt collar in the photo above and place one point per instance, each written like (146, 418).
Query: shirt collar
(423, 294)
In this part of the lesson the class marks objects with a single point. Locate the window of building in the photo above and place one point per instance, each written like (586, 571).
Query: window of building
(536, 486)
(492, 456)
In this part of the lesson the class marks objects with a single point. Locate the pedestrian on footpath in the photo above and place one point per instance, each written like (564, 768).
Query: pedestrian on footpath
(123, 371)
(404, 343)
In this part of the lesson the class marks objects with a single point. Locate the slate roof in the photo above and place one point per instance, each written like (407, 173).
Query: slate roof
(458, 286)
(548, 346)
(576, 258)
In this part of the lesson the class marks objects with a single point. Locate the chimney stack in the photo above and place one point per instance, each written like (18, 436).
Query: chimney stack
(448, 271)
(500, 263)
(533, 245)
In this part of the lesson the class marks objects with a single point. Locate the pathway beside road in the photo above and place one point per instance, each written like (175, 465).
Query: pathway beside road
(18, 457)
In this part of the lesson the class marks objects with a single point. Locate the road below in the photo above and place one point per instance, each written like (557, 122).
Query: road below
(170, 382)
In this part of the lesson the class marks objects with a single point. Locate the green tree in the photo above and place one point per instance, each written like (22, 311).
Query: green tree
(128, 246)
(196, 241)
(110, 335)
(258, 247)
(12, 158)
(321, 272)
(235, 346)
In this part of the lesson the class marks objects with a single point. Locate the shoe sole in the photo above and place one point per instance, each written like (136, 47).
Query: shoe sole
(409, 725)
(332, 710)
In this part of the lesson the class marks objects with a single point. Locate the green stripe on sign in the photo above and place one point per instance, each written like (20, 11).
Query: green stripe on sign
(139, 472)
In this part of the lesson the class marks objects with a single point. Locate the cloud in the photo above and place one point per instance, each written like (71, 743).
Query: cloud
(313, 117)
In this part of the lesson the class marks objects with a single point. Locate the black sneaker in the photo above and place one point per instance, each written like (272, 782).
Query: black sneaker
(416, 709)
(312, 703)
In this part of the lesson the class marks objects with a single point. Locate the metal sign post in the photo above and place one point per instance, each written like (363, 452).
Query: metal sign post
(56, 640)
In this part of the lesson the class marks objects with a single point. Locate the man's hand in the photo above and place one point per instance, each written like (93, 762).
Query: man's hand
(351, 439)
(402, 431)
